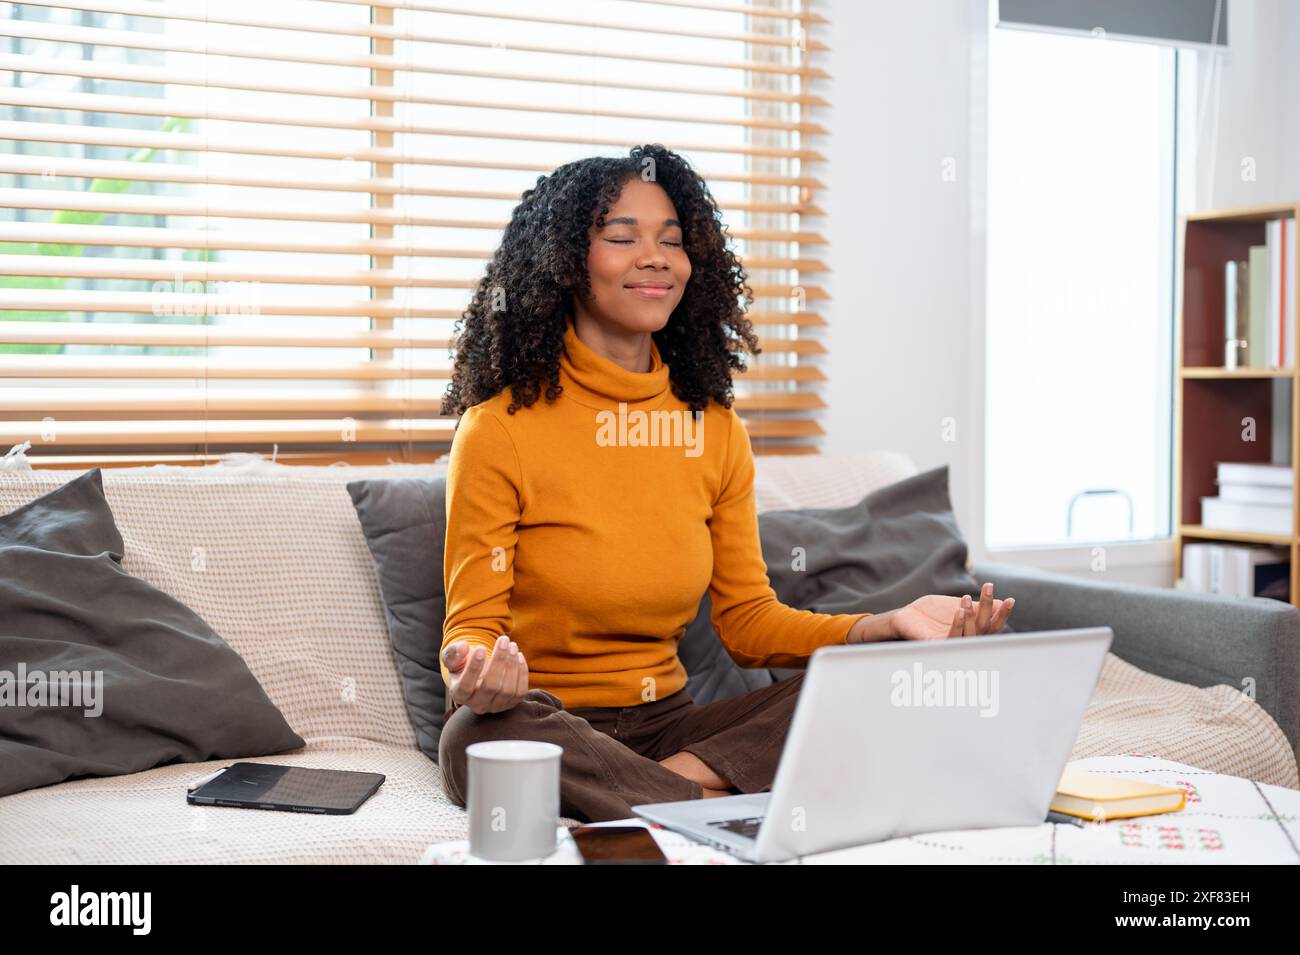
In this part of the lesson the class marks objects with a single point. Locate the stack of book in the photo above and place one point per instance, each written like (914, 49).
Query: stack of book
(1237, 570)
(1252, 497)
(1259, 294)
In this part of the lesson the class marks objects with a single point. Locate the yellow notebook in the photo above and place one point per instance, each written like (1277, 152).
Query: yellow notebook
(1096, 796)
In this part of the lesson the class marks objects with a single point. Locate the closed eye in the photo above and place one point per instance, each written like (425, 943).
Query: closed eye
(630, 241)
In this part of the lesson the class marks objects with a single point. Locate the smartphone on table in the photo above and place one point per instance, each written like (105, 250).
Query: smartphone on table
(617, 845)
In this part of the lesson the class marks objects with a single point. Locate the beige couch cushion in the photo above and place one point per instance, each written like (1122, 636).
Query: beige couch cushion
(143, 818)
(1217, 728)
(783, 483)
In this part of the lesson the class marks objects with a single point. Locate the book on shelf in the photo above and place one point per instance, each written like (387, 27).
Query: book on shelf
(1259, 348)
(1236, 310)
(1255, 498)
(1220, 515)
(1237, 570)
(1258, 301)
(1250, 472)
(1279, 240)
(1255, 494)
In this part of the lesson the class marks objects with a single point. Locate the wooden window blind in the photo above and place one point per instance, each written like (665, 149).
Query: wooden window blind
(250, 226)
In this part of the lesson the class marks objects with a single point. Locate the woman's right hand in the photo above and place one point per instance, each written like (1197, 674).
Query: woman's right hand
(483, 685)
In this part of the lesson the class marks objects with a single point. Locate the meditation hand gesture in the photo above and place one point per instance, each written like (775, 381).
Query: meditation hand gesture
(482, 685)
(935, 617)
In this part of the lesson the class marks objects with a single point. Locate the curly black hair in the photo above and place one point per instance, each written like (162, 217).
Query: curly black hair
(512, 333)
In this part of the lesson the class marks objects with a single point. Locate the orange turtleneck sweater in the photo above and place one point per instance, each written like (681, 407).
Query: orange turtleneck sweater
(589, 533)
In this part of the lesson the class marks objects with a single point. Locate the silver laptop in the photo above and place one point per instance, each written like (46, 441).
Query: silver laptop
(903, 737)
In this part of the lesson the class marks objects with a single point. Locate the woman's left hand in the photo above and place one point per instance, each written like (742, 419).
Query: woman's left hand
(936, 617)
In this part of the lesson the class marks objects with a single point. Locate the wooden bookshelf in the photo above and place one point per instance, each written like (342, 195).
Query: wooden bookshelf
(1211, 400)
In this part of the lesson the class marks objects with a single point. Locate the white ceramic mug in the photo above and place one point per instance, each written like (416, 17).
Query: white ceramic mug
(513, 798)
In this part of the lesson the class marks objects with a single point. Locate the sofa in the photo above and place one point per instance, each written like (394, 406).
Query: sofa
(273, 557)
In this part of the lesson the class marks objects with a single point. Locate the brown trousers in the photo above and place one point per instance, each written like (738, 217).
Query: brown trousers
(610, 753)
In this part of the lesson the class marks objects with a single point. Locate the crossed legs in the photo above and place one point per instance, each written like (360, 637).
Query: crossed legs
(696, 770)
(602, 778)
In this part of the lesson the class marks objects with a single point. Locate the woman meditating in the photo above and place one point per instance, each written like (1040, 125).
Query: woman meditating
(600, 482)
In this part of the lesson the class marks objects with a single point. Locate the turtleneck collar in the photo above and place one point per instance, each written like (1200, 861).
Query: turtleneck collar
(596, 381)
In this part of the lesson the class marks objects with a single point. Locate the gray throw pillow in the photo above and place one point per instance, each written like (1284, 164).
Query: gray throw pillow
(898, 543)
(102, 674)
(404, 521)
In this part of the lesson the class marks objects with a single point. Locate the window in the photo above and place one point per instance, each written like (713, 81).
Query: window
(1082, 207)
(251, 226)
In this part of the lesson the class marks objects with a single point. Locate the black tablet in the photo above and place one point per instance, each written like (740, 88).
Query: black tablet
(335, 792)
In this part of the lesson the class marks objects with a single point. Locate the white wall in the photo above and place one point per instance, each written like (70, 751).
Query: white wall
(1258, 109)
(906, 253)
(904, 357)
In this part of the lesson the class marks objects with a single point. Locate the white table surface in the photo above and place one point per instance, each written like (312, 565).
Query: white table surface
(1227, 820)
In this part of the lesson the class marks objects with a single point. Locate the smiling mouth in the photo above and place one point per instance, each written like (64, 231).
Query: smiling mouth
(650, 290)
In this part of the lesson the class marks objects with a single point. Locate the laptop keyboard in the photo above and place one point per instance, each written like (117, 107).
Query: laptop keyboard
(742, 827)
